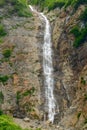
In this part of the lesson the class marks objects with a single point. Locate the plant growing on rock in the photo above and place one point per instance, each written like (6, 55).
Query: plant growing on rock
(1, 112)
(29, 92)
(18, 96)
(85, 97)
(83, 16)
(2, 31)
(83, 81)
(6, 123)
(4, 78)
(85, 122)
(7, 53)
(21, 6)
(80, 36)
(78, 115)
(1, 97)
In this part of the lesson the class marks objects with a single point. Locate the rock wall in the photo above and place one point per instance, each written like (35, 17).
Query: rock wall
(23, 67)
(22, 92)
(69, 64)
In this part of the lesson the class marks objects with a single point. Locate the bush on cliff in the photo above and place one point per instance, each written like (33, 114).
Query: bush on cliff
(6, 123)
(19, 6)
(80, 35)
(83, 16)
(2, 31)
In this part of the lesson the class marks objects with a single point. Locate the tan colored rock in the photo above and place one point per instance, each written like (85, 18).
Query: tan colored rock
(26, 119)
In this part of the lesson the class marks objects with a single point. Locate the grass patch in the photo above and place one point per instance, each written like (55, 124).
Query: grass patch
(6, 123)
(1, 112)
(49, 4)
(22, 9)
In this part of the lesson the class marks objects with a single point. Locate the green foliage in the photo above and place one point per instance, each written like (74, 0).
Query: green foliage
(38, 129)
(85, 122)
(55, 5)
(80, 36)
(4, 78)
(85, 97)
(75, 3)
(1, 112)
(2, 31)
(21, 6)
(68, 3)
(50, 4)
(79, 2)
(1, 40)
(29, 92)
(75, 31)
(1, 97)
(2, 3)
(6, 123)
(7, 53)
(83, 81)
(78, 115)
(83, 16)
(18, 96)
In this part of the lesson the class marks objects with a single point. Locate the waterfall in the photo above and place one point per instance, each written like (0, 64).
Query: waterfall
(47, 67)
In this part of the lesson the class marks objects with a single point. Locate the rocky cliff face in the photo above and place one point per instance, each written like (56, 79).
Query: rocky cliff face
(22, 90)
(69, 64)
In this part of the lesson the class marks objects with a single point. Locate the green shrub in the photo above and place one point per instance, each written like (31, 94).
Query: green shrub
(50, 4)
(75, 31)
(18, 97)
(7, 53)
(83, 16)
(68, 3)
(85, 122)
(2, 31)
(80, 36)
(4, 78)
(21, 6)
(1, 40)
(1, 112)
(85, 97)
(29, 92)
(55, 5)
(1, 97)
(83, 81)
(6, 123)
(79, 2)
(78, 115)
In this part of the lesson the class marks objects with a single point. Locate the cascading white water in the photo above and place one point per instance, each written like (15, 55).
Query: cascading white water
(48, 68)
